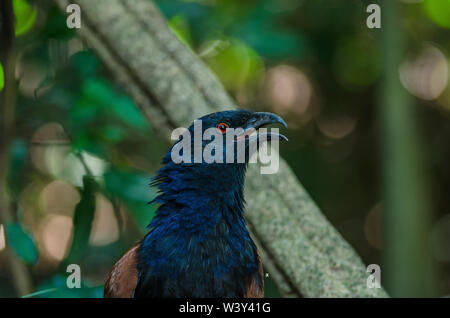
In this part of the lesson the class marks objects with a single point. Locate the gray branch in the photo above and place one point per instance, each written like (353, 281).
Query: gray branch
(302, 251)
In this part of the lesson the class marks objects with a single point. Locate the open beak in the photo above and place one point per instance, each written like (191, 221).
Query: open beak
(261, 119)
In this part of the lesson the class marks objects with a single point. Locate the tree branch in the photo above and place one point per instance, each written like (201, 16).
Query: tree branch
(304, 253)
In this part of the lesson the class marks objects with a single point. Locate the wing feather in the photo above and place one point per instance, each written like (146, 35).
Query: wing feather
(255, 284)
(122, 280)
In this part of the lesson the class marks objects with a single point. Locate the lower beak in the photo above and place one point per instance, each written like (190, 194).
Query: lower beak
(272, 136)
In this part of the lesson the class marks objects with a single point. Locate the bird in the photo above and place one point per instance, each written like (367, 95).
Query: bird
(198, 244)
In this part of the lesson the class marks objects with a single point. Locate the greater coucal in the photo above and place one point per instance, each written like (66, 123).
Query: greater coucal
(198, 244)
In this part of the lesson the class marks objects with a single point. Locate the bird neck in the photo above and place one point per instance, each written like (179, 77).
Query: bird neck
(199, 233)
(199, 195)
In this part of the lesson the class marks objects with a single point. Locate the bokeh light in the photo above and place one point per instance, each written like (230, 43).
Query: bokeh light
(2, 238)
(52, 154)
(288, 91)
(425, 76)
(56, 235)
(46, 136)
(372, 226)
(105, 229)
(336, 127)
(59, 197)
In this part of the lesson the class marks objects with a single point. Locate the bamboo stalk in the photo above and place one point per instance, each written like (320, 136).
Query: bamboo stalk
(408, 264)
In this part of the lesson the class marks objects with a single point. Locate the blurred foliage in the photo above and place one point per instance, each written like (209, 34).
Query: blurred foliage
(83, 155)
(56, 287)
(25, 15)
(74, 126)
(438, 11)
(82, 221)
(237, 65)
(22, 243)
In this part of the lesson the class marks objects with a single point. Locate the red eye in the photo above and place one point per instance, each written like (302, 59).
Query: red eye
(222, 127)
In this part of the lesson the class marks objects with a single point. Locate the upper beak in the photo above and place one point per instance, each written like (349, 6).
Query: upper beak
(261, 119)
(264, 118)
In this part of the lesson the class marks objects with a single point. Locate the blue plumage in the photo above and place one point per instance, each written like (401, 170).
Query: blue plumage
(198, 244)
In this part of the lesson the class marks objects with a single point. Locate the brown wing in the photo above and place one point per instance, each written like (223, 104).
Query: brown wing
(255, 286)
(122, 280)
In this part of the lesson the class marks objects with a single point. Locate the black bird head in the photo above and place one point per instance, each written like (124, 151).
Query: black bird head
(244, 122)
(230, 137)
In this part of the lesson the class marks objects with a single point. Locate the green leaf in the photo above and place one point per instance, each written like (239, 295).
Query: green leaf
(237, 65)
(438, 11)
(100, 94)
(113, 133)
(85, 63)
(22, 243)
(128, 185)
(259, 30)
(25, 16)
(55, 25)
(132, 188)
(82, 220)
(40, 293)
(179, 26)
(17, 171)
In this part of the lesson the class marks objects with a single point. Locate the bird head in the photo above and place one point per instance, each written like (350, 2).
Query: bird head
(244, 122)
(222, 135)
(230, 137)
